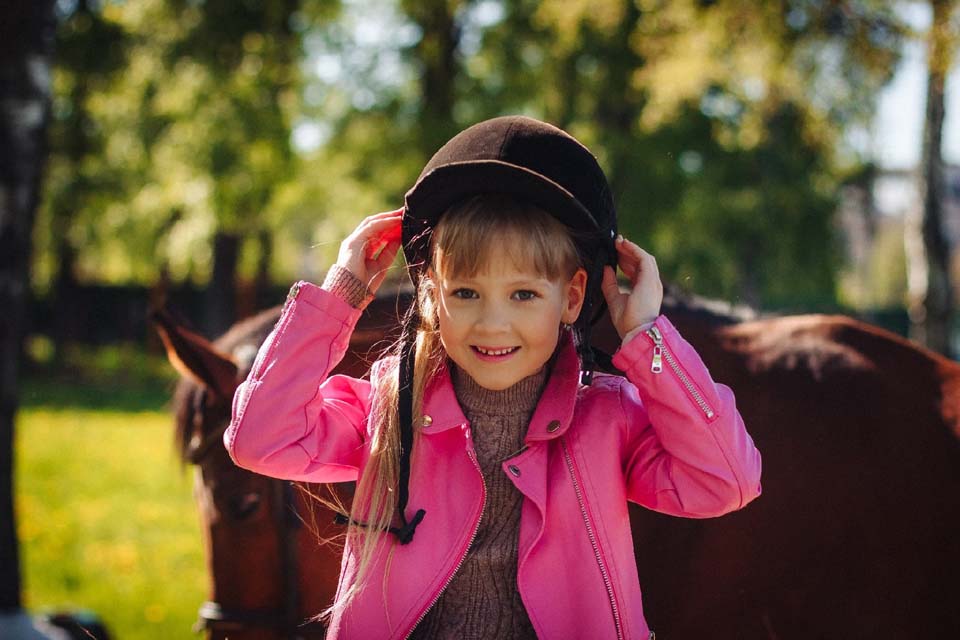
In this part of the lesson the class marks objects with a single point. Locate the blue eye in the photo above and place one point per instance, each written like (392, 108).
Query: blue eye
(525, 294)
(465, 294)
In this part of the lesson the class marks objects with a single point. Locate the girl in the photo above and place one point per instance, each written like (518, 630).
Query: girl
(493, 468)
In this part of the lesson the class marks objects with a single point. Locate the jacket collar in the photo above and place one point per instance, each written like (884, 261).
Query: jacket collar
(551, 418)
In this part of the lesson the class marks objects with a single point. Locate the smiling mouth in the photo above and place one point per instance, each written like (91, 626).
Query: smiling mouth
(495, 353)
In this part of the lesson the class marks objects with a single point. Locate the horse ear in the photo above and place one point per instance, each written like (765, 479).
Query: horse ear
(195, 357)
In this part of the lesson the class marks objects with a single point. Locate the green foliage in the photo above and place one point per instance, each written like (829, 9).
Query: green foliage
(723, 126)
(747, 225)
(192, 138)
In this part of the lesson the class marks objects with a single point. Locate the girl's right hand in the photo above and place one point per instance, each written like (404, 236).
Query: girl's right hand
(369, 251)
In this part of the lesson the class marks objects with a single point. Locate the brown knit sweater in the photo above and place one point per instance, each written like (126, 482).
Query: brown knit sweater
(482, 600)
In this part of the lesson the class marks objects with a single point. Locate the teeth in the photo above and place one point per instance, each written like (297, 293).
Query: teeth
(495, 352)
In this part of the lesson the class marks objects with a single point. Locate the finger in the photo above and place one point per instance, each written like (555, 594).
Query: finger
(393, 232)
(628, 249)
(634, 260)
(371, 224)
(648, 262)
(609, 286)
(396, 213)
(630, 267)
(383, 263)
(627, 257)
(387, 254)
(637, 253)
(378, 220)
(378, 234)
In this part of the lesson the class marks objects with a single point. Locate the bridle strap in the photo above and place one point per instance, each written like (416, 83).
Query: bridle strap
(288, 522)
(196, 454)
(212, 615)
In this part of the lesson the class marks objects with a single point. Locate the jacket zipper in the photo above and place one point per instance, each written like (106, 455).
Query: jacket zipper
(593, 540)
(660, 352)
(476, 528)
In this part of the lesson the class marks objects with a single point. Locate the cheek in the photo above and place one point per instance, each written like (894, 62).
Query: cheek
(447, 328)
(547, 329)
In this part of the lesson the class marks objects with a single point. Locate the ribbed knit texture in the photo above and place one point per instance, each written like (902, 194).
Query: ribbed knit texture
(342, 283)
(482, 600)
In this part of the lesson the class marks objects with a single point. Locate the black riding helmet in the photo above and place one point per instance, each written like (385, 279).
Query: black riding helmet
(533, 161)
(525, 158)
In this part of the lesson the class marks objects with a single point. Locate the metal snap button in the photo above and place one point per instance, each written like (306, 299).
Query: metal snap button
(427, 421)
(515, 470)
(553, 426)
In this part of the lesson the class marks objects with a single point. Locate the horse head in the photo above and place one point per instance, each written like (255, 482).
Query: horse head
(268, 574)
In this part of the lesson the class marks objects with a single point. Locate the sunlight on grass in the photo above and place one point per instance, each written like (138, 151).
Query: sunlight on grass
(107, 520)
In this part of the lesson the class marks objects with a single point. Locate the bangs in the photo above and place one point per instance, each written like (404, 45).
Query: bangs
(473, 232)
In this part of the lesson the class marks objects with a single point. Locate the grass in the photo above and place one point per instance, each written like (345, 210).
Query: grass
(106, 517)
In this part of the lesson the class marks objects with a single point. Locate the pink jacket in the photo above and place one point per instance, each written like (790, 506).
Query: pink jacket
(670, 440)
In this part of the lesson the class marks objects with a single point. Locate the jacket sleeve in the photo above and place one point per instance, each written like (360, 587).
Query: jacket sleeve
(290, 420)
(688, 452)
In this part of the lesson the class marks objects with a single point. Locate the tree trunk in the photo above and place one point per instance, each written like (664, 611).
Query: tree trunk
(928, 254)
(262, 280)
(620, 106)
(437, 54)
(221, 296)
(26, 45)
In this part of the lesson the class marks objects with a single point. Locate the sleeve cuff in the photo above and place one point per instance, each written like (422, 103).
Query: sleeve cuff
(637, 330)
(346, 286)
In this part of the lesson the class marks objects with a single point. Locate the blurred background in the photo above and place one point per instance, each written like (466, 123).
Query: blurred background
(790, 156)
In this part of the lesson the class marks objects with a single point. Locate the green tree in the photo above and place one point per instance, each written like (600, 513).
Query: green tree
(722, 124)
(172, 167)
(244, 56)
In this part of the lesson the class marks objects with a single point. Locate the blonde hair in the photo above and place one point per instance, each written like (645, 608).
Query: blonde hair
(463, 240)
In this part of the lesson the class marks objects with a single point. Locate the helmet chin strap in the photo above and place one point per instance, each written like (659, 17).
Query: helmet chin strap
(407, 528)
(408, 356)
(592, 358)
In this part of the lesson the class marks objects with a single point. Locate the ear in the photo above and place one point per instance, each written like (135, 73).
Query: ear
(576, 291)
(432, 281)
(195, 357)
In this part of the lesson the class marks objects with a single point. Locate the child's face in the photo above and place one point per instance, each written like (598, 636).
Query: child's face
(502, 324)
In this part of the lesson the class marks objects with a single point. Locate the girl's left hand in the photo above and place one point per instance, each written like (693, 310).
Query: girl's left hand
(641, 305)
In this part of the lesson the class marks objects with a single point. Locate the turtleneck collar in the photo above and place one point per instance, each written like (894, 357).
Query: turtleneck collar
(521, 398)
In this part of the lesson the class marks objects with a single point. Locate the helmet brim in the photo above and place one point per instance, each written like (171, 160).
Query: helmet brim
(448, 184)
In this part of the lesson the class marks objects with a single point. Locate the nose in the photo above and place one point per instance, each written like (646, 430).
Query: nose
(493, 318)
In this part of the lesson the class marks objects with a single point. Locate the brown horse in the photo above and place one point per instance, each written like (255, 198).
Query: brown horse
(857, 534)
